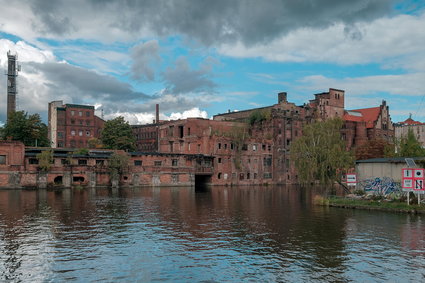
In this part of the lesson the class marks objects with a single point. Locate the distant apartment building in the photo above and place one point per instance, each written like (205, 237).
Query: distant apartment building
(418, 128)
(72, 125)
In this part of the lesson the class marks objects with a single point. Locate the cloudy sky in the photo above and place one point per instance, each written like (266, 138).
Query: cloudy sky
(203, 57)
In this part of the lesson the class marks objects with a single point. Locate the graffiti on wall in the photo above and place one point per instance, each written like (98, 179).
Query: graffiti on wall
(380, 186)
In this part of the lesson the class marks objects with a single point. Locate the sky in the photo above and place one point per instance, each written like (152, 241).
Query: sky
(198, 58)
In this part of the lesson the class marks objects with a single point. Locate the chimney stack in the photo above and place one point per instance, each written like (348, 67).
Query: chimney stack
(157, 113)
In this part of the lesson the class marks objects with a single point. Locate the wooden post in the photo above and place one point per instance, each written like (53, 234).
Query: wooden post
(408, 198)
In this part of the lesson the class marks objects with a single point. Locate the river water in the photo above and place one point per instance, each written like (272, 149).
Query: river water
(264, 234)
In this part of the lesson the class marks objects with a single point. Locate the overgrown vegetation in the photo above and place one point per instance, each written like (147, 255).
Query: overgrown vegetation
(320, 153)
(396, 205)
(26, 128)
(118, 165)
(81, 151)
(45, 160)
(259, 116)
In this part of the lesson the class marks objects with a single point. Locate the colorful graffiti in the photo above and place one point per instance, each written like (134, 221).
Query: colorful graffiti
(380, 186)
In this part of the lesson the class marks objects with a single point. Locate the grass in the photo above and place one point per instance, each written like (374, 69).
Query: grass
(396, 206)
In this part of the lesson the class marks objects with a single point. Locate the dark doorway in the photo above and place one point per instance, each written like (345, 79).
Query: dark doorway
(58, 180)
(202, 182)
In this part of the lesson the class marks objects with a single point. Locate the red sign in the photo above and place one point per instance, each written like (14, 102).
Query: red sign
(413, 179)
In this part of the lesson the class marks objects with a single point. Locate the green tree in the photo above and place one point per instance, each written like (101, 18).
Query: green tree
(118, 164)
(409, 146)
(320, 153)
(26, 128)
(45, 160)
(117, 134)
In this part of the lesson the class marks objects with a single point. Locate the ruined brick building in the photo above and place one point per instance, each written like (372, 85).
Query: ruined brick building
(252, 146)
(72, 125)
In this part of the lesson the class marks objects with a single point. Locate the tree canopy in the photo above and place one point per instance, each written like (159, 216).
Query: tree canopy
(117, 134)
(26, 128)
(409, 146)
(320, 153)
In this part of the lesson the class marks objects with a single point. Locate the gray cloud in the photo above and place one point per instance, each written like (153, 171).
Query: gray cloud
(209, 22)
(68, 78)
(144, 55)
(52, 18)
(182, 79)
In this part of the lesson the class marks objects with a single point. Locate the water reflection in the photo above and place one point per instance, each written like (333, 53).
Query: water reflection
(225, 234)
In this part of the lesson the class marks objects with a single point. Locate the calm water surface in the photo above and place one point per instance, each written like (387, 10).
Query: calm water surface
(272, 234)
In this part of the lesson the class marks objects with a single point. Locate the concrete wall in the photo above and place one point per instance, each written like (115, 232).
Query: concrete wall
(373, 170)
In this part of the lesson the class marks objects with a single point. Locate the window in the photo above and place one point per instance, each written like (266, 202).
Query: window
(33, 161)
(72, 132)
(219, 176)
(254, 147)
(60, 143)
(255, 175)
(82, 161)
(88, 123)
(72, 121)
(60, 135)
(72, 143)
(2, 159)
(174, 162)
(80, 113)
(80, 133)
(267, 161)
(188, 131)
(157, 163)
(137, 162)
(219, 145)
(80, 121)
(225, 146)
(64, 161)
(245, 147)
(232, 146)
(267, 175)
(241, 176)
(87, 114)
(247, 175)
(181, 131)
(72, 114)
(219, 160)
(88, 133)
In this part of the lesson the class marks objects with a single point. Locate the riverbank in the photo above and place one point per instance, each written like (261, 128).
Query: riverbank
(381, 205)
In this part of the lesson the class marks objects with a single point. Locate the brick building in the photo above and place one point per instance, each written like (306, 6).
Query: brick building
(19, 168)
(366, 124)
(239, 157)
(72, 125)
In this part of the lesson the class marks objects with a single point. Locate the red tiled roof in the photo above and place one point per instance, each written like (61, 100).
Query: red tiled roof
(368, 115)
(410, 121)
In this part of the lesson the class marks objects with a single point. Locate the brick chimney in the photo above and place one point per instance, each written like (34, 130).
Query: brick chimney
(157, 113)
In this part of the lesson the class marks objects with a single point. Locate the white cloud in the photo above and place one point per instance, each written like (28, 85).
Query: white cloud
(404, 84)
(147, 118)
(376, 41)
(191, 113)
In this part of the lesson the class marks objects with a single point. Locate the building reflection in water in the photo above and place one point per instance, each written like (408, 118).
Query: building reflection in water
(267, 233)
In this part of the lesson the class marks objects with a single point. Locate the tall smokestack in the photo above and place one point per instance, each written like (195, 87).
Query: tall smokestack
(12, 73)
(157, 114)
